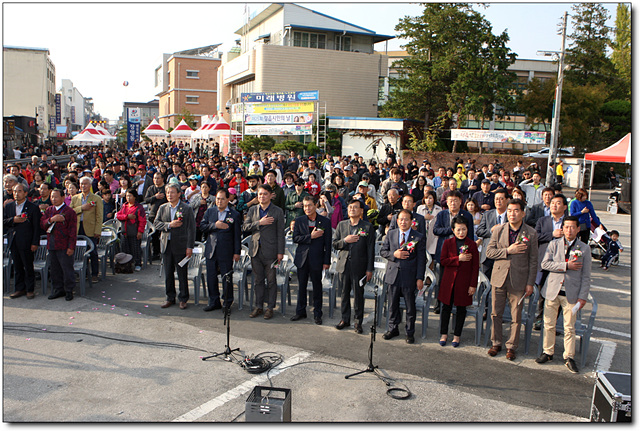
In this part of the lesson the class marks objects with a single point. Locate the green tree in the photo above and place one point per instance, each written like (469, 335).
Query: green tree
(621, 56)
(616, 120)
(289, 145)
(587, 53)
(580, 123)
(536, 102)
(455, 66)
(188, 117)
(252, 144)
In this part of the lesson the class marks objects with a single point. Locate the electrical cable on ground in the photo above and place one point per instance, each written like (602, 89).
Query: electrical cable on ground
(258, 364)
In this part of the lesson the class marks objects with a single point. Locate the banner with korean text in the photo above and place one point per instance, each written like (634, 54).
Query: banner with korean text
(133, 126)
(506, 136)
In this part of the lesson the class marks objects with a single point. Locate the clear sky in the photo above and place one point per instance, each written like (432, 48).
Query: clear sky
(98, 46)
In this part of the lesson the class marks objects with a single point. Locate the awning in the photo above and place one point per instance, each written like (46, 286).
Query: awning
(620, 152)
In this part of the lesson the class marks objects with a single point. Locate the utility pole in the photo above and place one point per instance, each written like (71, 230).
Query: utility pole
(555, 123)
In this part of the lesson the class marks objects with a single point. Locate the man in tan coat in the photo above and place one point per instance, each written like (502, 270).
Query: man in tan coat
(88, 208)
(514, 248)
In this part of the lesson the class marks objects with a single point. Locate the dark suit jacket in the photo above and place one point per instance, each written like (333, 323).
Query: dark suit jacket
(360, 253)
(534, 214)
(404, 272)
(182, 237)
(442, 228)
(64, 234)
(269, 237)
(316, 251)
(229, 238)
(26, 233)
(464, 187)
(419, 219)
(544, 229)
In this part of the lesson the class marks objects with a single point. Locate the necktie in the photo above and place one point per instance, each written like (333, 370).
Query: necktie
(402, 241)
(500, 219)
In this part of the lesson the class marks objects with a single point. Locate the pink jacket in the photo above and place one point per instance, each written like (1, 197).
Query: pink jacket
(127, 209)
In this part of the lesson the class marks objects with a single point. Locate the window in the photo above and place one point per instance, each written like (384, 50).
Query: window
(193, 74)
(343, 43)
(193, 100)
(309, 40)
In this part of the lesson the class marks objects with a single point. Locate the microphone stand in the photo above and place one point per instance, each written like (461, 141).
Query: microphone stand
(227, 318)
(372, 368)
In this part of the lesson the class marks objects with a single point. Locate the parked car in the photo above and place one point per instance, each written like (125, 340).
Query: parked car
(544, 153)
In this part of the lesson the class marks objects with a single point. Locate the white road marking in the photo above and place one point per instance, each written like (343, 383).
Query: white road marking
(243, 388)
(609, 331)
(605, 355)
(608, 289)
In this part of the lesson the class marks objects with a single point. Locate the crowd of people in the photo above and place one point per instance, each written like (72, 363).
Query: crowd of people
(458, 220)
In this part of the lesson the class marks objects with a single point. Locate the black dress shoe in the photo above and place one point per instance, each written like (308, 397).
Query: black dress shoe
(57, 295)
(298, 317)
(544, 358)
(436, 309)
(571, 365)
(410, 339)
(213, 307)
(68, 296)
(390, 334)
(358, 328)
(317, 320)
(342, 325)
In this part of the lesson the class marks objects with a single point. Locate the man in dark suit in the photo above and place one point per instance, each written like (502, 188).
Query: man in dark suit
(177, 225)
(312, 233)
(389, 209)
(420, 223)
(355, 239)
(21, 221)
(469, 186)
(484, 197)
(265, 223)
(491, 219)
(405, 250)
(223, 226)
(61, 243)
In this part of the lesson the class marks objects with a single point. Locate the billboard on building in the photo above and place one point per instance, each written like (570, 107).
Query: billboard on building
(73, 114)
(283, 129)
(280, 96)
(305, 118)
(58, 109)
(505, 136)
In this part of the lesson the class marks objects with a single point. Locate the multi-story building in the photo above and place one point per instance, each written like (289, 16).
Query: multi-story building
(187, 80)
(29, 79)
(288, 47)
(148, 111)
(73, 107)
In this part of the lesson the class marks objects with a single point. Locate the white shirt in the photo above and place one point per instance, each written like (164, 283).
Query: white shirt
(19, 207)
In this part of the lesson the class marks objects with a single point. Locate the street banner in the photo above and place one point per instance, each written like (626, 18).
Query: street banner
(58, 109)
(505, 136)
(73, 114)
(52, 122)
(278, 118)
(280, 96)
(284, 129)
(133, 126)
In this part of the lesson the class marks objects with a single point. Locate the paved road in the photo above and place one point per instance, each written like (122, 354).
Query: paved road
(80, 377)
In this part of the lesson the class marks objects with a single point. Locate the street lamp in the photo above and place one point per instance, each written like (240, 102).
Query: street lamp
(555, 122)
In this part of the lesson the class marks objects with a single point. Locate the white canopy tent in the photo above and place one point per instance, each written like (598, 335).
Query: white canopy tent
(85, 138)
(182, 130)
(154, 129)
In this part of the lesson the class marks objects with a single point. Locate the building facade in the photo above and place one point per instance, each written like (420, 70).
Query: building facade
(73, 107)
(148, 111)
(187, 80)
(29, 79)
(287, 47)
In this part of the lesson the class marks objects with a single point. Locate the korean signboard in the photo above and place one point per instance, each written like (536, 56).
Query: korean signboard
(280, 96)
(133, 126)
(278, 118)
(506, 136)
(58, 109)
(284, 129)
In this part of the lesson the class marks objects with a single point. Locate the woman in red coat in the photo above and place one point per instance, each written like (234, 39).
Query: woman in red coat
(134, 221)
(460, 261)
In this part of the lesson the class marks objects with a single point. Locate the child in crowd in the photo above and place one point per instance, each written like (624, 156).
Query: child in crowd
(109, 205)
(613, 250)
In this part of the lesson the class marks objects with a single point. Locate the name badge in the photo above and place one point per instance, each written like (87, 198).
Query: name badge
(105, 234)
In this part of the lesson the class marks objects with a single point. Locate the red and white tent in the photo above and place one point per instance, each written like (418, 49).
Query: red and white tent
(620, 152)
(155, 129)
(220, 128)
(182, 130)
(206, 122)
(85, 138)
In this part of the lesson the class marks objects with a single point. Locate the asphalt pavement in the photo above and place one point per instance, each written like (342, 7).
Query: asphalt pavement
(116, 356)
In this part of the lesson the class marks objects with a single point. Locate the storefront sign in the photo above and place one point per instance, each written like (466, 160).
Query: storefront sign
(58, 109)
(278, 118)
(280, 96)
